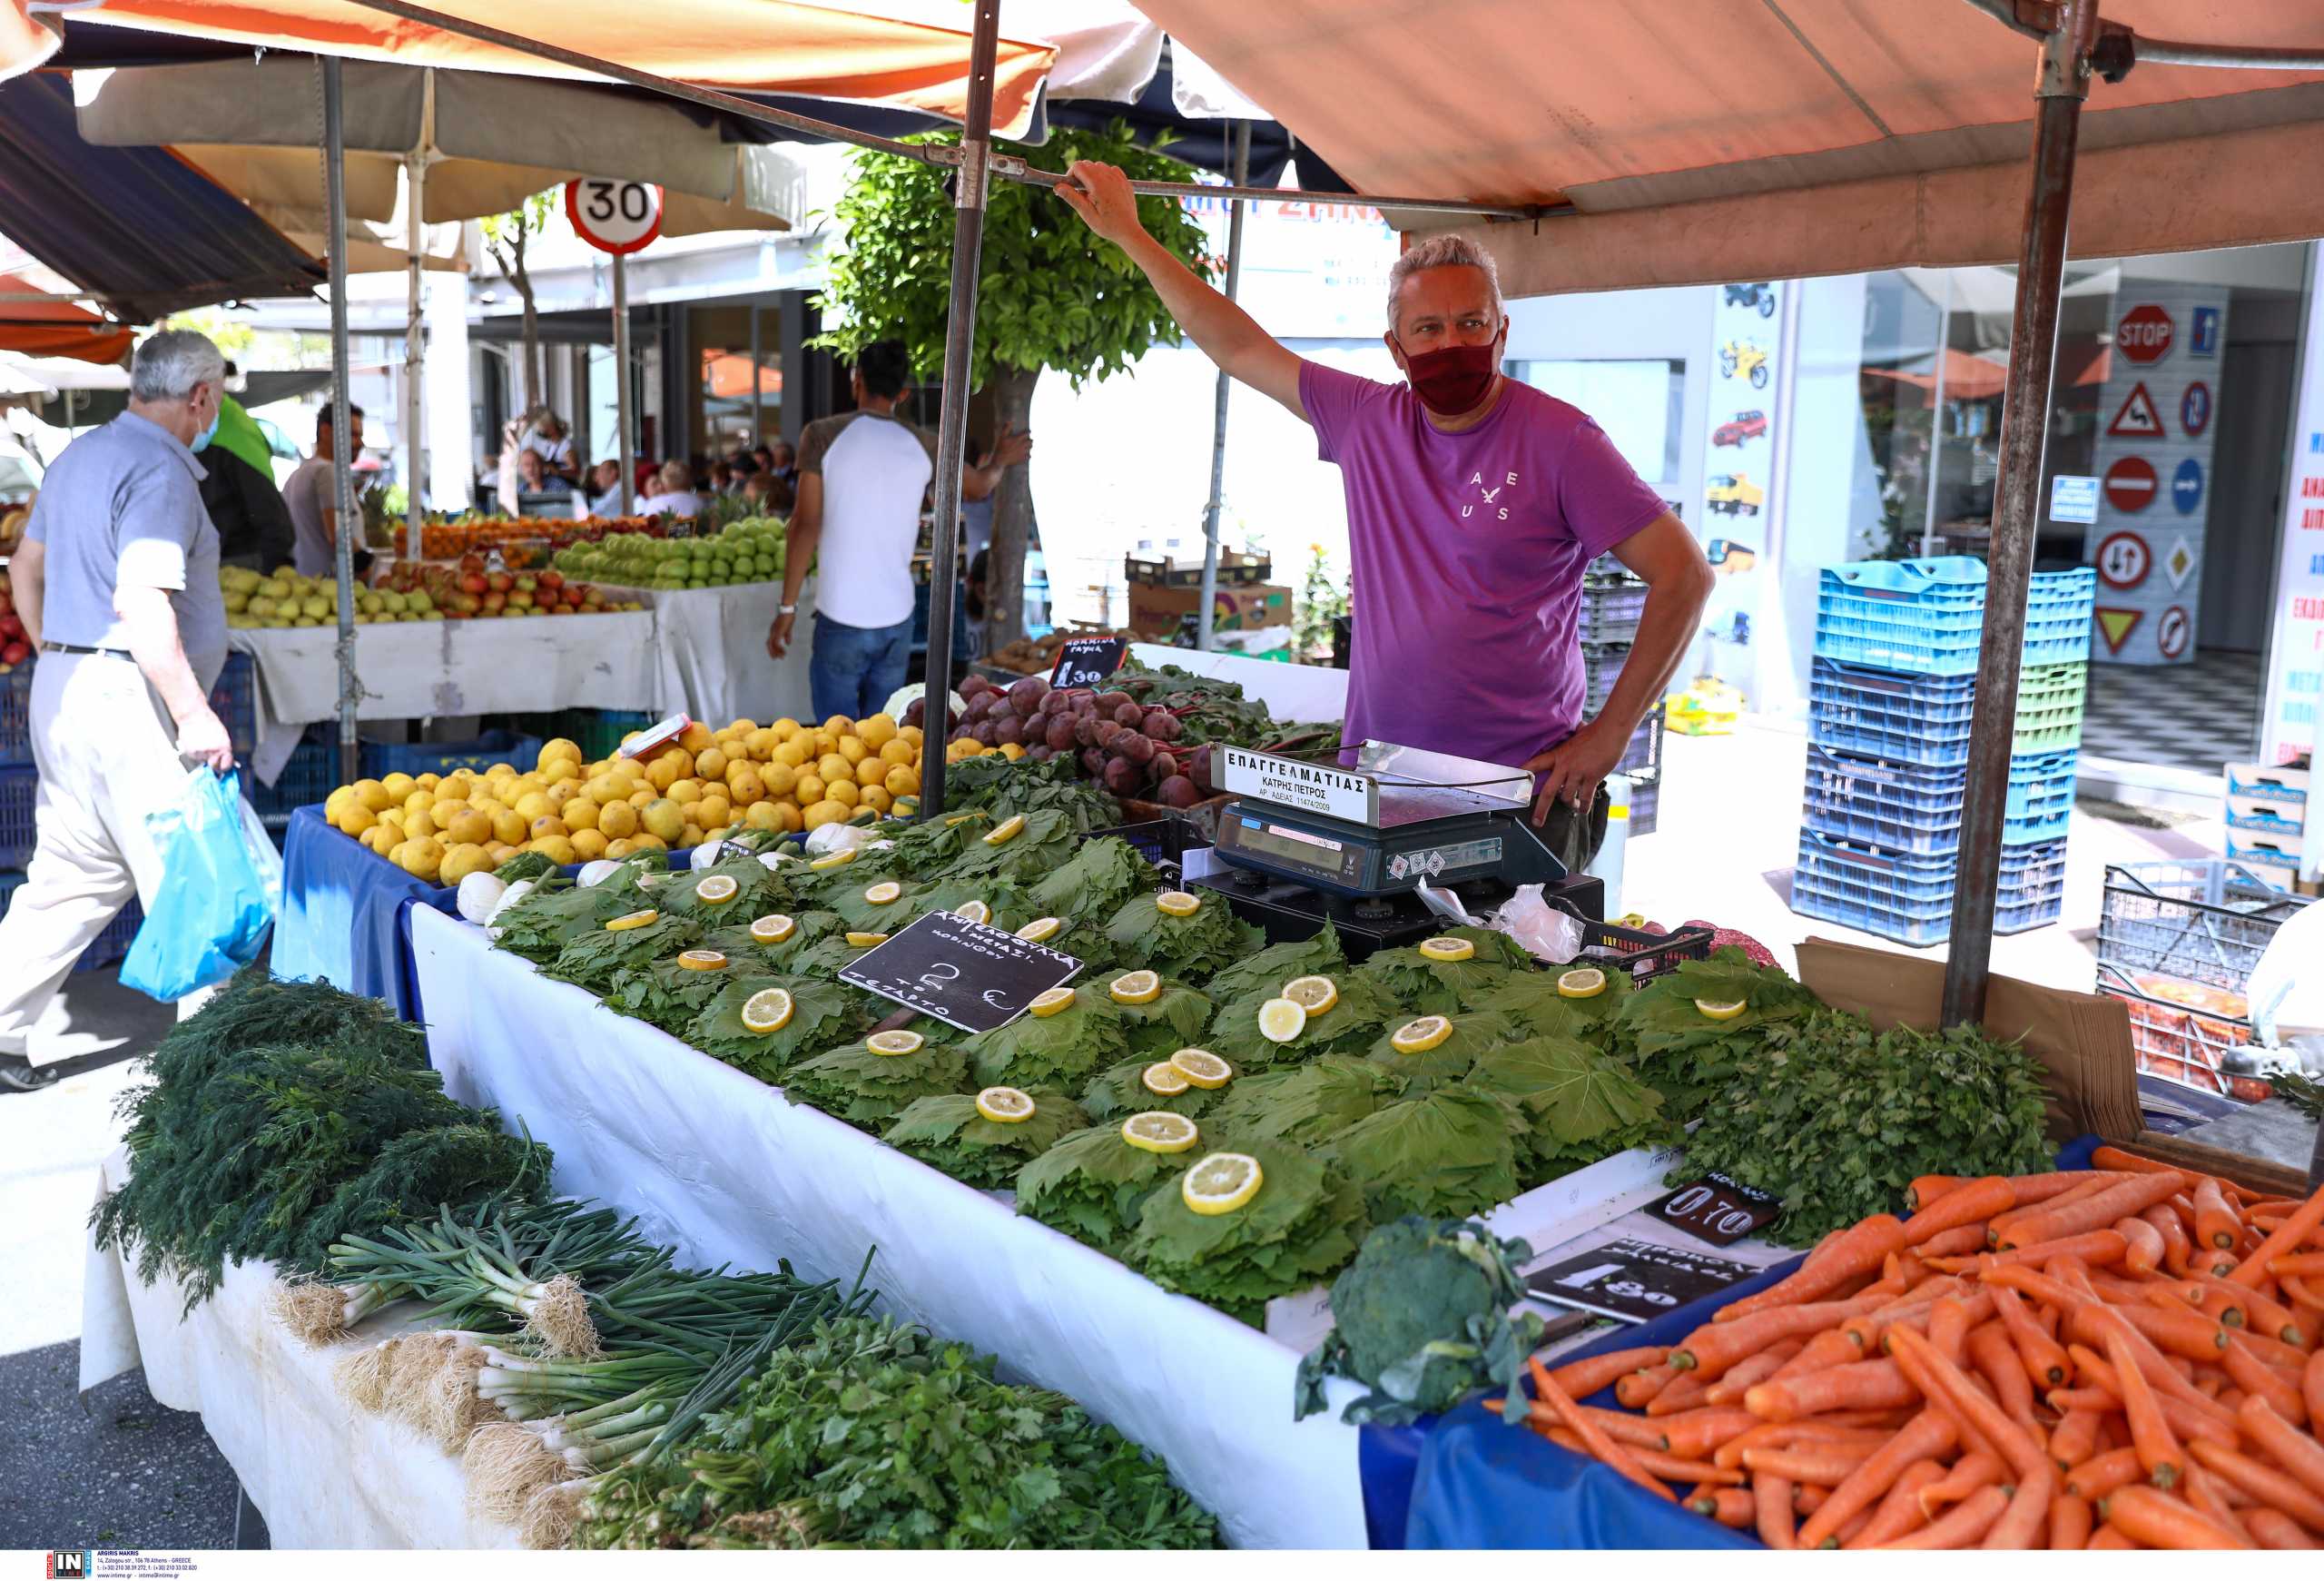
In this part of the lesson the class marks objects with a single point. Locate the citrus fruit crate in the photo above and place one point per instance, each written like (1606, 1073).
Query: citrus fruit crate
(16, 717)
(107, 947)
(19, 793)
(1908, 898)
(1910, 808)
(1928, 616)
(1923, 718)
(311, 775)
(1609, 613)
(2172, 1038)
(382, 758)
(2204, 922)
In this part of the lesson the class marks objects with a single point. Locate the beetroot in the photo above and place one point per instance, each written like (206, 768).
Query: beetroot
(1164, 766)
(1093, 762)
(1108, 732)
(980, 707)
(1085, 704)
(1124, 777)
(917, 712)
(970, 686)
(1060, 733)
(1198, 768)
(1129, 715)
(1139, 749)
(1085, 729)
(1026, 696)
(962, 734)
(1041, 754)
(985, 733)
(1177, 791)
(1109, 701)
(1161, 724)
(1009, 730)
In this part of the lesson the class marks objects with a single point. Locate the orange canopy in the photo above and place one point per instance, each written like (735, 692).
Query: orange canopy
(1743, 139)
(58, 328)
(769, 46)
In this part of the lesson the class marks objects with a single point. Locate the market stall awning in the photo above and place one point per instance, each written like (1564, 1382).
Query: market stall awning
(137, 227)
(784, 47)
(1738, 139)
(56, 329)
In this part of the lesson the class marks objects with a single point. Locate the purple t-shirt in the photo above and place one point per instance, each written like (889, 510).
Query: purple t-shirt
(1469, 551)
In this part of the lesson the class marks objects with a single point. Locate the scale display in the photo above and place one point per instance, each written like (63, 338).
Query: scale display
(1315, 856)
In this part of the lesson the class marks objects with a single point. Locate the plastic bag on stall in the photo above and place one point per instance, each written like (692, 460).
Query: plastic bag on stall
(1548, 932)
(221, 885)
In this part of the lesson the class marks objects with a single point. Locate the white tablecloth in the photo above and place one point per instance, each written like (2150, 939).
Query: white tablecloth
(723, 1168)
(324, 1475)
(710, 657)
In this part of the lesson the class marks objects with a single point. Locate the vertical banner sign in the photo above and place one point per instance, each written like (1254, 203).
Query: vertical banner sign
(2153, 464)
(2288, 727)
(1738, 465)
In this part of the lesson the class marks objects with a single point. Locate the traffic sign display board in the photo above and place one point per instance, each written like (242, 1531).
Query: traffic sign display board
(2171, 632)
(2116, 625)
(2131, 483)
(2195, 408)
(2145, 334)
(2187, 486)
(2137, 419)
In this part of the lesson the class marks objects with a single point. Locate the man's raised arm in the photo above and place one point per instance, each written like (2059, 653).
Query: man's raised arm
(1227, 335)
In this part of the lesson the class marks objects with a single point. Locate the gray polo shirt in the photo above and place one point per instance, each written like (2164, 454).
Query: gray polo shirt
(122, 507)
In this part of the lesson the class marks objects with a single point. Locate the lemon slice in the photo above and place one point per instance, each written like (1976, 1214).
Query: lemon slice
(1722, 1011)
(957, 819)
(1164, 1079)
(1221, 1183)
(1010, 828)
(856, 940)
(1417, 1037)
(894, 1042)
(1049, 1001)
(825, 862)
(701, 960)
(1201, 1067)
(768, 1010)
(718, 889)
(636, 919)
(1005, 1104)
(1157, 1130)
(1177, 902)
(1315, 994)
(886, 893)
(1136, 988)
(974, 911)
(1041, 931)
(773, 929)
(1582, 982)
(1282, 1020)
(1447, 949)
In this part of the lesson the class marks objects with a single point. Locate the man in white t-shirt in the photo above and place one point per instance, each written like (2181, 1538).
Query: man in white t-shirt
(862, 478)
(552, 441)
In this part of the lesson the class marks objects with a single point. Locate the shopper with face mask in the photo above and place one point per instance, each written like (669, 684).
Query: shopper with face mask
(1476, 505)
(117, 583)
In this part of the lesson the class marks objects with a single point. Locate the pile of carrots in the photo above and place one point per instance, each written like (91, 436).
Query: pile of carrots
(2120, 1357)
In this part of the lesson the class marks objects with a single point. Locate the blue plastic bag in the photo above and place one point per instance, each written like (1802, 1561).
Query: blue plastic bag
(222, 883)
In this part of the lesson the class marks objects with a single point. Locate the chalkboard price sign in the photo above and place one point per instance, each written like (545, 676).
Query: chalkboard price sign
(964, 973)
(1716, 1210)
(1633, 1281)
(1087, 661)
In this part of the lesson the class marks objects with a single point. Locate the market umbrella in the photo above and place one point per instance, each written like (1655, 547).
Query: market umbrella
(55, 328)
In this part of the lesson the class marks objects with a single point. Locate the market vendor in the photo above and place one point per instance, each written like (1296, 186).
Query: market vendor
(1476, 505)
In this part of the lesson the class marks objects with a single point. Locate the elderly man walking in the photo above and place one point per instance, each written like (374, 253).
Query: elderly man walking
(117, 583)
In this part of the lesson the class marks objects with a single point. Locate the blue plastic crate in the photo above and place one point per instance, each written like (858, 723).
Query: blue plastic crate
(1909, 898)
(382, 758)
(19, 794)
(1910, 808)
(1928, 616)
(234, 699)
(1923, 718)
(109, 946)
(16, 717)
(1609, 612)
(311, 775)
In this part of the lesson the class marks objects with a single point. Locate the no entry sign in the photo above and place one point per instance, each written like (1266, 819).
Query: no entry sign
(2145, 334)
(2130, 484)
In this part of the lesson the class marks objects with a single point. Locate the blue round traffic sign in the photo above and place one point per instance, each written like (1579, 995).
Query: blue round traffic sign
(2187, 486)
(2195, 408)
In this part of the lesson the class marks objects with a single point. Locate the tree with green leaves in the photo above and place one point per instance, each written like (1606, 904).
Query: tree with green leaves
(1051, 296)
(506, 237)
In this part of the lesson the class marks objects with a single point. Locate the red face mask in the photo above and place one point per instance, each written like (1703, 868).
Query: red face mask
(1452, 380)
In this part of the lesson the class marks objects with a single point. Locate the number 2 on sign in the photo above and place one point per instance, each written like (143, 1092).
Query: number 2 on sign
(937, 975)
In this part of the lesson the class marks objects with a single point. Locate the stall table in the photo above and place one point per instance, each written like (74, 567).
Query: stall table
(345, 917)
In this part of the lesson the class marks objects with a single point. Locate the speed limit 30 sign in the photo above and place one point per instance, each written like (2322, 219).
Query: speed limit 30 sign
(614, 216)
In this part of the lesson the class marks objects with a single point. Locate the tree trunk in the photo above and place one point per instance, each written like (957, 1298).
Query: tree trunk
(521, 278)
(1013, 512)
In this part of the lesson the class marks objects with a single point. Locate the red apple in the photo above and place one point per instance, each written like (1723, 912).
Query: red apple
(16, 652)
(474, 583)
(595, 598)
(12, 626)
(501, 581)
(472, 562)
(520, 599)
(494, 601)
(554, 609)
(526, 584)
(552, 580)
(572, 597)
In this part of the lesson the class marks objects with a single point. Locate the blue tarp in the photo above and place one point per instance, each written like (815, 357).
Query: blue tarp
(345, 915)
(139, 228)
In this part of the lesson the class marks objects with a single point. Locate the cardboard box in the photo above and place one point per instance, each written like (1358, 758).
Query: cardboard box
(1156, 612)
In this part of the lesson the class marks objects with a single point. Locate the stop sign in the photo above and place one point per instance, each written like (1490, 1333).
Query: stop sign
(2129, 484)
(2145, 334)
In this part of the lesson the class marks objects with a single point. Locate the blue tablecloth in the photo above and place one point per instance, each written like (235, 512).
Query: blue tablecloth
(345, 914)
(1467, 1480)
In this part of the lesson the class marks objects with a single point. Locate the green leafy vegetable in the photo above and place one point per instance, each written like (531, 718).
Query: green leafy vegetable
(1449, 1061)
(1102, 875)
(1265, 974)
(1422, 1317)
(666, 994)
(1427, 987)
(1120, 1090)
(524, 864)
(1001, 787)
(947, 1133)
(1443, 1155)
(1062, 1050)
(1300, 1229)
(1362, 1013)
(546, 919)
(852, 900)
(1687, 1056)
(1578, 1106)
(1093, 1184)
(1046, 841)
(1305, 1104)
(1163, 1025)
(1190, 947)
(1531, 1000)
(595, 958)
(757, 892)
(822, 1013)
(867, 1088)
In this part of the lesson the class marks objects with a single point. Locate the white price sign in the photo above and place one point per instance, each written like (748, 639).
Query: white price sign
(614, 216)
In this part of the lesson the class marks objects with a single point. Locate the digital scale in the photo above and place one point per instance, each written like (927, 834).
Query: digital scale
(1307, 843)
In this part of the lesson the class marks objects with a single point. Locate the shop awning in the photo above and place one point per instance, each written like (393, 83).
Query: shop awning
(1726, 140)
(56, 329)
(137, 227)
(776, 46)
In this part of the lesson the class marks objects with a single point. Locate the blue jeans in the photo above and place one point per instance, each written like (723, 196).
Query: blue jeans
(854, 671)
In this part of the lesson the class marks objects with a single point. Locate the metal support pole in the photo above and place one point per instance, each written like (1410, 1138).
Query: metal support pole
(1937, 420)
(758, 390)
(1218, 416)
(415, 355)
(621, 383)
(952, 427)
(342, 479)
(2062, 82)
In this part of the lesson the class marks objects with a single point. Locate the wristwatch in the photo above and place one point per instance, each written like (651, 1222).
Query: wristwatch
(786, 608)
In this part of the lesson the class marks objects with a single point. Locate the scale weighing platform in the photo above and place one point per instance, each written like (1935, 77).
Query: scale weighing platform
(1308, 843)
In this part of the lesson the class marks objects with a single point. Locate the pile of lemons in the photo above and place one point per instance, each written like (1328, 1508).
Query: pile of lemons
(784, 777)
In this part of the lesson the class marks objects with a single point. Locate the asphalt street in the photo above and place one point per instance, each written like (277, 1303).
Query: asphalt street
(115, 1469)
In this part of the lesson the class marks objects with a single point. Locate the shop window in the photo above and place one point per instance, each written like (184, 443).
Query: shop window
(1639, 402)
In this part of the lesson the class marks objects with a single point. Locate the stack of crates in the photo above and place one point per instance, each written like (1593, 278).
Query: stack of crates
(1612, 602)
(1891, 698)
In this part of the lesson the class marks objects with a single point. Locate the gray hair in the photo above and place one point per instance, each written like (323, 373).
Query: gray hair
(171, 364)
(1437, 252)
